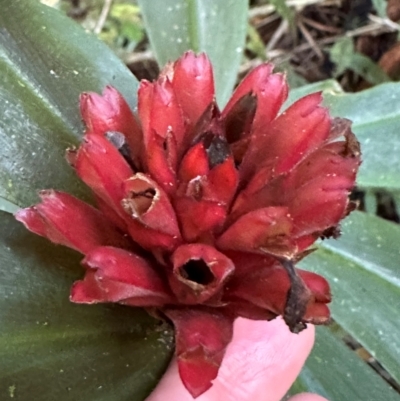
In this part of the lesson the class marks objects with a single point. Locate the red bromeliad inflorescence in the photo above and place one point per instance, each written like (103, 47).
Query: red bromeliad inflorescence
(201, 213)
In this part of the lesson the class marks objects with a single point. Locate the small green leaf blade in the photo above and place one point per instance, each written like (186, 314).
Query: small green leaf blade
(283, 9)
(46, 61)
(337, 373)
(6, 206)
(344, 55)
(380, 7)
(362, 268)
(51, 349)
(217, 28)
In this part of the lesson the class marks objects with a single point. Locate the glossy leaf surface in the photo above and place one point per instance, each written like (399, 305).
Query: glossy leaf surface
(52, 349)
(337, 373)
(362, 267)
(46, 61)
(215, 27)
(376, 117)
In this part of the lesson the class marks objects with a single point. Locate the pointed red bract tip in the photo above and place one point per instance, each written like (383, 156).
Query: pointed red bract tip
(202, 336)
(197, 372)
(193, 84)
(271, 91)
(110, 112)
(68, 221)
(32, 220)
(202, 213)
(266, 230)
(116, 275)
(318, 285)
(104, 178)
(250, 84)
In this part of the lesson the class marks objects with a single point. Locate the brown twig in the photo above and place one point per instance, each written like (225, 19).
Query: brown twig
(139, 57)
(267, 20)
(310, 39)
(267, 9)
(321, 27)
(282, 28)
(384, 22)
(282, 55)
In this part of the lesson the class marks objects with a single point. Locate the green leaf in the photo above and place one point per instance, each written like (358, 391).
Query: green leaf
(363, 270)
(283, 10)
(330, 86)
(254, 43)
(215, 27)
(343, 54)
(7, 206)
(375, 114)
(396, 198)
(124, 28)
(337, 373)
(51, 349)
(46, 61)
(380, 7)
(362, 266)
(370, 202)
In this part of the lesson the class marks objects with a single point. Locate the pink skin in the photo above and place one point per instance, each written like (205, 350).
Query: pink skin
(260, 364)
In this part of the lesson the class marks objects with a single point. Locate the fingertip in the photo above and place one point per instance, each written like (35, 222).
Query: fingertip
(263, 360)
(260, 364)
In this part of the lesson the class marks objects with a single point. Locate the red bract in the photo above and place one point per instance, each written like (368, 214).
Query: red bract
(201, 213)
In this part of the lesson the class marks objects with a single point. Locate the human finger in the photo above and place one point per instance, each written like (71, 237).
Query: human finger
(260, 364)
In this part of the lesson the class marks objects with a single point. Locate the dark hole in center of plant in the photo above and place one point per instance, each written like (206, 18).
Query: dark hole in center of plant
(197, 271)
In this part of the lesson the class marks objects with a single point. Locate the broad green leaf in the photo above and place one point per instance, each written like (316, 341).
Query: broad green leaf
(337, 373)
(215, 27)
(51, 349)
(376, 122)
(375, 114)
(46, 61)
(362, 267)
